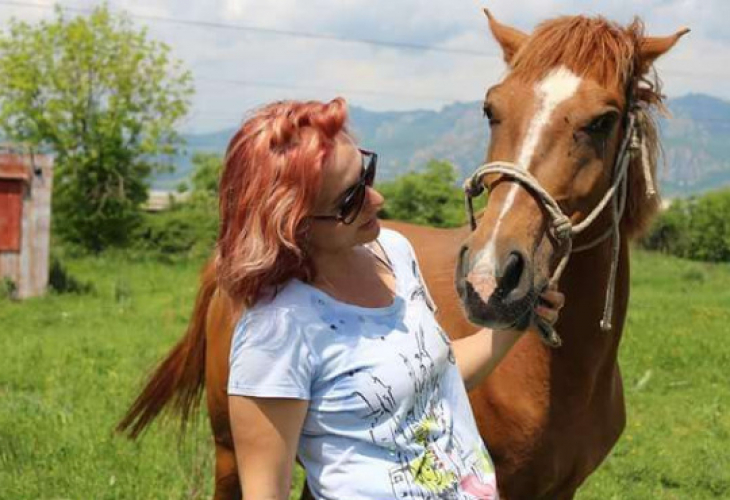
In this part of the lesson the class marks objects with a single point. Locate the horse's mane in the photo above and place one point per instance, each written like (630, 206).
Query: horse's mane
(608, 53)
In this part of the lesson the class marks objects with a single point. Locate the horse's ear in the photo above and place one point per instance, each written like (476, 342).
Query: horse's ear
(510, 39)
(654, 47)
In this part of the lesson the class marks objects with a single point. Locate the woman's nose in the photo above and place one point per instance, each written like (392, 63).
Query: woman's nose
(375, 198)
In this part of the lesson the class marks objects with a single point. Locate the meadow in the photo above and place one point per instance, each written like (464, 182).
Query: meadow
(71, 364)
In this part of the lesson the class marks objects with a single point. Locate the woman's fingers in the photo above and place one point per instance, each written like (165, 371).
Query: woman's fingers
(553, 298)
(550, 304)
(547, 314)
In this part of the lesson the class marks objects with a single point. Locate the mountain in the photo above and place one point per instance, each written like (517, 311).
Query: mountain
(696, 142)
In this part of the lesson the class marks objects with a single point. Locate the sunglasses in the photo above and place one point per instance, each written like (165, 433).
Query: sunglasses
(354, 198)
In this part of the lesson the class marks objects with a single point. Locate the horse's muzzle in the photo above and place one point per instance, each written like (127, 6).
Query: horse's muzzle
(504, 302)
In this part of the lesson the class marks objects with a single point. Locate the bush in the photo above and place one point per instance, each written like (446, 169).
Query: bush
(431, 197)
(186, 230)
(61, 281)
(697, 228)
(8, 289)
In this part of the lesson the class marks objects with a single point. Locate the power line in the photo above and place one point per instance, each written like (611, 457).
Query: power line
(291, 86)
(274, 31)
(320, 36)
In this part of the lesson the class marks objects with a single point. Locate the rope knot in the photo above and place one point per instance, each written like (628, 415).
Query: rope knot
(473, 186)
(562, 227)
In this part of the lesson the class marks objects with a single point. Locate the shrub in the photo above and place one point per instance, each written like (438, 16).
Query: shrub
(186, 230)
(697, 228)
(61, 281)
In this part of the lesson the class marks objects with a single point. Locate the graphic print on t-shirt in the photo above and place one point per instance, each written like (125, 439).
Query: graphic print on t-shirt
(431, 461)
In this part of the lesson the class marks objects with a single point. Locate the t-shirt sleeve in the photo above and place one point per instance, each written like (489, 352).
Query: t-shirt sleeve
(270, 357)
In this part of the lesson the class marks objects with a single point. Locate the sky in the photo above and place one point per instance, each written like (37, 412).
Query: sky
(237, 69)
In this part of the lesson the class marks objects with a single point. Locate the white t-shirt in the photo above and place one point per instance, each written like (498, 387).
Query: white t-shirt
(388, 412)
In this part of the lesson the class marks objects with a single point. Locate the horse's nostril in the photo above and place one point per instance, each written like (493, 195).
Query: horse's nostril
(463, 261)
(512, 272)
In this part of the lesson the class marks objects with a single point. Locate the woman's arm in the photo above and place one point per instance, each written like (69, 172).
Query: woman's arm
(265, 436)
(477, 355)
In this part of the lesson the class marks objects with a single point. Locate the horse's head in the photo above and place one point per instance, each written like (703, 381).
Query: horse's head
(560, 115)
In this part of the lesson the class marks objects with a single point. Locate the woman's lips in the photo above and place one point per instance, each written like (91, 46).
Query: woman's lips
(370, 223)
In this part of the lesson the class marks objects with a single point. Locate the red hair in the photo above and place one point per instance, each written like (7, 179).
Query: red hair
(270, 180)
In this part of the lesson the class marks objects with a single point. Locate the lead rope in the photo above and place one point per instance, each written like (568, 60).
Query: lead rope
(562, 227)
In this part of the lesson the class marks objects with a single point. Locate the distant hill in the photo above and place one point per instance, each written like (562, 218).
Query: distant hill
(696, 142)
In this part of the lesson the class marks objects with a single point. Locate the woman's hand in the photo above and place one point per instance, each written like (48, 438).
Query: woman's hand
(549, 305)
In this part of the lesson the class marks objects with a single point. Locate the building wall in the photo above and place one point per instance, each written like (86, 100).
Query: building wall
(29, 268)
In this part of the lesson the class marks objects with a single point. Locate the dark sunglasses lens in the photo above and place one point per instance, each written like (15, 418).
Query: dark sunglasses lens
(350, 208)
(369, 178)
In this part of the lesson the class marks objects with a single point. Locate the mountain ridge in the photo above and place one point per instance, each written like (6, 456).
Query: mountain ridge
(696, 142)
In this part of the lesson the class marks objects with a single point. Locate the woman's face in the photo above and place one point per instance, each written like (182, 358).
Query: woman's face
(342, 171)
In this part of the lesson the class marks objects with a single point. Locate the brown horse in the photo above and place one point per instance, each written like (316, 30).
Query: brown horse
(569, 124)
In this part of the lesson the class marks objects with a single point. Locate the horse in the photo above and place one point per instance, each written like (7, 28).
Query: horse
(569, 170)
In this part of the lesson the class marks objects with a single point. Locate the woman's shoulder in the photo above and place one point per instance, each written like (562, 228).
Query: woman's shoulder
(289, 301)
(393, 241)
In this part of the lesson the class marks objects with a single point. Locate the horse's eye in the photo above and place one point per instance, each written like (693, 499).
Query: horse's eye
(603, 124)
(489, 114)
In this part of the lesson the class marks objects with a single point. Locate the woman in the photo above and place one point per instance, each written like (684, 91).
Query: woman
(337, 357)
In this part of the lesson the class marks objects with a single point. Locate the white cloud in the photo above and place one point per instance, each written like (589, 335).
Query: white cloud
(399, 78)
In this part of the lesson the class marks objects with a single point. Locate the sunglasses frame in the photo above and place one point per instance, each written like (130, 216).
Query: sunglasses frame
(357, 190)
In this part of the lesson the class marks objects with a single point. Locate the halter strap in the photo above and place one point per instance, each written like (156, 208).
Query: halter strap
(561, 225)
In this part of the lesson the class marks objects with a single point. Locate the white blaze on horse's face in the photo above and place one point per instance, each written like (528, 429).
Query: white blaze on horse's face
(557, 87)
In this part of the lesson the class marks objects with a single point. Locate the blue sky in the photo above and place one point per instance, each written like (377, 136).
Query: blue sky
(232, 68)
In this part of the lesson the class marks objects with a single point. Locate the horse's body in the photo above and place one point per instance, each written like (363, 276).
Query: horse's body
(548, 416)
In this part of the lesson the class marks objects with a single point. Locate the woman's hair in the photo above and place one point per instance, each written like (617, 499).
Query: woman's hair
(271, 176)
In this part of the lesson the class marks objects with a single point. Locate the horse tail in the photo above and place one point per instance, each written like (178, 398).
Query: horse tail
(180, 377)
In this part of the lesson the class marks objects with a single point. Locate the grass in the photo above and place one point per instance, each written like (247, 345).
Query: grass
(674, 357)
(72, 363)
(70, 366)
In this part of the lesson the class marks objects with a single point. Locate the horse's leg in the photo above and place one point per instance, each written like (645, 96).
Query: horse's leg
(566, 495)
(227, 486)
(219, 330)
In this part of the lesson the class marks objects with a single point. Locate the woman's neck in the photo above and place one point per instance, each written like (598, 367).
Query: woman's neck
(331, 265)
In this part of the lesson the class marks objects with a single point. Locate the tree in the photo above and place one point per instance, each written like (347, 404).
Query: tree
(104, 98)
(431, 197)
(207, 168)
(696, 228)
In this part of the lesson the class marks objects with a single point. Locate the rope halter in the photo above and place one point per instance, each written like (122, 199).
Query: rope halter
(561, 226)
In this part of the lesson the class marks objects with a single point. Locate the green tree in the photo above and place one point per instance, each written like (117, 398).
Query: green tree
(431, 197)
(697, 228)
(104, 99)
(207, 168)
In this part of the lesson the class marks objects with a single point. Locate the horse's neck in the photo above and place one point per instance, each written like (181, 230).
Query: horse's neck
(584, 283)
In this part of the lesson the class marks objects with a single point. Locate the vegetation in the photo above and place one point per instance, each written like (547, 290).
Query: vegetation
(72, 364)
(105, 99)
(187, 229)
(431, 197)
(696, 228)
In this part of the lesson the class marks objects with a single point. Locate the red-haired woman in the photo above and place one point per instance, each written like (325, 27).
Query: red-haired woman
(337, 357)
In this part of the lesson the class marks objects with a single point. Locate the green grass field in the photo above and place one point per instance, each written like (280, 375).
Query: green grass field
(71, 365)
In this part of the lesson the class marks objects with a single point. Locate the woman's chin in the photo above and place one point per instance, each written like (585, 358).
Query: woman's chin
(369, 231)
(371, 225)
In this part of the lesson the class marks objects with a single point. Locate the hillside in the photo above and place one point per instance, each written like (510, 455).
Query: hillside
(696, 142)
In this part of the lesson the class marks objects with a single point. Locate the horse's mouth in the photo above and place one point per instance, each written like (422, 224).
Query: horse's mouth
(499, 312)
